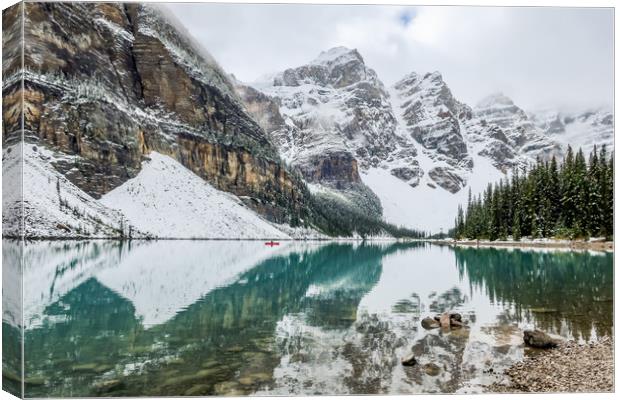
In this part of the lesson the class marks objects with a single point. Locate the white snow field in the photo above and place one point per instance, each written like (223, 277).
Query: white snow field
(424, 207)
(169, 201)
(53, 206)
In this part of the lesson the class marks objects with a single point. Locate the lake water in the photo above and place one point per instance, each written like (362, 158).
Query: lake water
(109, 318)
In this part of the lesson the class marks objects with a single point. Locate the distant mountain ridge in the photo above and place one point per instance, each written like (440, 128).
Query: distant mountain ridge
(335, 107)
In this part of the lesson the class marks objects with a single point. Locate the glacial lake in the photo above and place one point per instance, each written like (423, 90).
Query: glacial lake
(170, 318)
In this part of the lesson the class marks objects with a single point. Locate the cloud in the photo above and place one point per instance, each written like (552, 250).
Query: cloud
(541, 57)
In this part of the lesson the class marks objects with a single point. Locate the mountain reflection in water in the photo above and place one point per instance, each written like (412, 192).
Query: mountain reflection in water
(107, 318)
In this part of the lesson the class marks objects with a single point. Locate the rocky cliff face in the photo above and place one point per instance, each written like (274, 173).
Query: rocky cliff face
(107, 83)
(508, 136)
(328, 119)
(431, 116)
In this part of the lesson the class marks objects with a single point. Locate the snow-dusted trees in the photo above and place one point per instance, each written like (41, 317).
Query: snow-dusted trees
(574, 200)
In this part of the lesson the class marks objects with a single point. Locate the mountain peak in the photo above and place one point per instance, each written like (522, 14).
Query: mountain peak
(337, 55)
(494, 100)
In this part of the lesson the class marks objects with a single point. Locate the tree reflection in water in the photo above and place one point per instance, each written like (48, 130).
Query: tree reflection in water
(213, 318)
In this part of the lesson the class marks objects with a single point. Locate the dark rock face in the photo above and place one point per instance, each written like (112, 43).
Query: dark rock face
(433, 116)
(410, 175)
(429, 323)
(109, 83)
(446, 179)
(408, 360)
(539, 339)
(327, 149)
(338, 168)
(12, 207)
(11, 75)
(501, 155)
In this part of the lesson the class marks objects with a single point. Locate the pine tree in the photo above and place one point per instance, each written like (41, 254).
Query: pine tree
(574, 199)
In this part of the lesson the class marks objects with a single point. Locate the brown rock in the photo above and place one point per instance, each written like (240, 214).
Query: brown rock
(429, 323)
(444, 321)
(539, 339)
(456, 324)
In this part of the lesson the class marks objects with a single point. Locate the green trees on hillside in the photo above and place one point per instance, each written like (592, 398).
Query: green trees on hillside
(571, 200)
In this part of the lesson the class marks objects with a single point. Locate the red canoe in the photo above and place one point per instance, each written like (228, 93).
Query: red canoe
(272, 243)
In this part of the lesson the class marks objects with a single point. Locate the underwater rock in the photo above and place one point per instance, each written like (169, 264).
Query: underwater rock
(109, 385)
(539, 339)
(429, 323)
(408, 360)
(432, 369)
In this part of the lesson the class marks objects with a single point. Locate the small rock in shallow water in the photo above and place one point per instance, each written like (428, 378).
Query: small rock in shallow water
(432, 369)
(429, 323)
(444, 321)
(456, 324)
(197, 390)
(408, 361)
(456, 317)
(109, 385)
(539, 339)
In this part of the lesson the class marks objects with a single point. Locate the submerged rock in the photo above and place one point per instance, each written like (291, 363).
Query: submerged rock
(197, 390)
(432, 369)
(444, 321)
(456, 317)
(539, 339)
(408, 360)
(109, 385)
(449, 320)
(429, 323)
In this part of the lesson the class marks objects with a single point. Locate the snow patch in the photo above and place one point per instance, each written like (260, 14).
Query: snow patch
(169, 201)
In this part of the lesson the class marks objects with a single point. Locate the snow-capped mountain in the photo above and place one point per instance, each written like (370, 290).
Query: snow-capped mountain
(416, 146)
(578, 129)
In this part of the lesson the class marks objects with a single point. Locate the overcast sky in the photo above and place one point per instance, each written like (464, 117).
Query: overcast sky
(540, 57)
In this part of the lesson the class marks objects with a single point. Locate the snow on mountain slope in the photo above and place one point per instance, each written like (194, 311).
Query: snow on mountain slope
(424, 207)
(53, 206)
(578, 129)
(431, 118)
(500, 122)
(167, 200)
(335, 103)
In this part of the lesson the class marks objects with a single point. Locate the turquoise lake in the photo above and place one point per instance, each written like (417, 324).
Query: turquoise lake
(171, 318)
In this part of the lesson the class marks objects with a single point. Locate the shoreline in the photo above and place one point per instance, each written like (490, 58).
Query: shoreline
(571, 367)
(558, 244)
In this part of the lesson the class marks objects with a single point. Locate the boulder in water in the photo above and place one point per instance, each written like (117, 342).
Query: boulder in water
(408, 360)
(539, 339)
(429, 323)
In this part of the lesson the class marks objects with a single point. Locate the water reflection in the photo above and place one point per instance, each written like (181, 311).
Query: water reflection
(560, 291)
(110, 318)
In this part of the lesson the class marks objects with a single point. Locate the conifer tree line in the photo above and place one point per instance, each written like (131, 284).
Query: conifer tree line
(570, 200)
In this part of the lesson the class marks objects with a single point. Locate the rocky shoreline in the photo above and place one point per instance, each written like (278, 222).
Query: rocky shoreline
(560, 244)
(569, 367)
